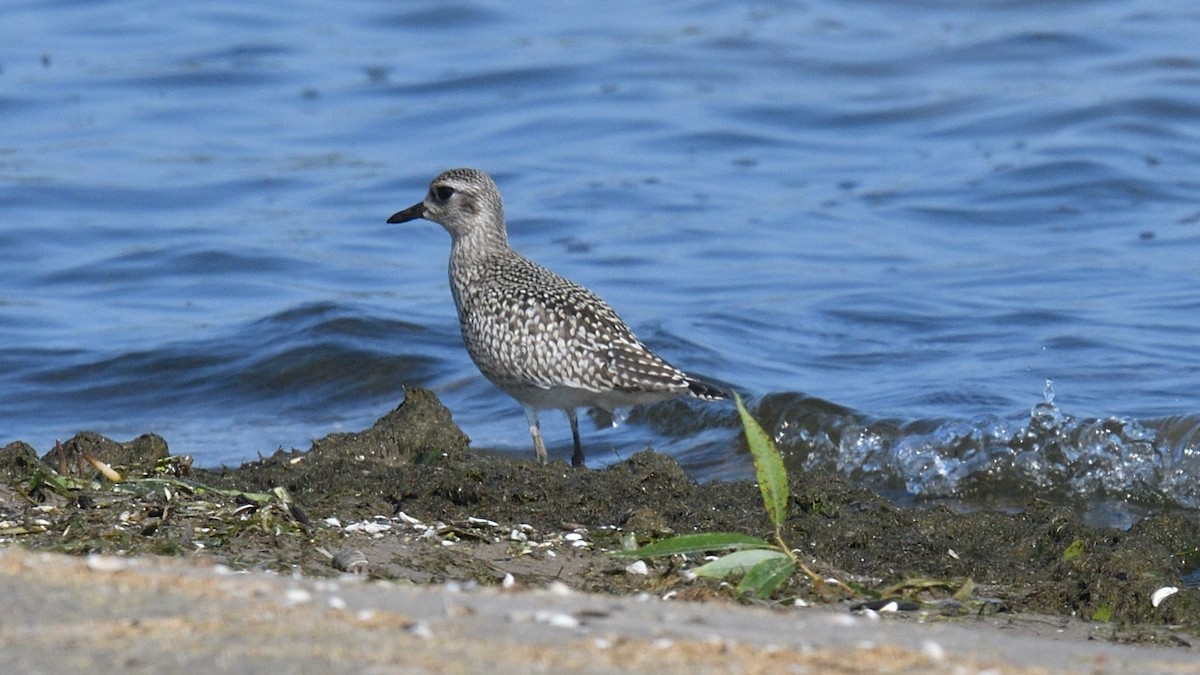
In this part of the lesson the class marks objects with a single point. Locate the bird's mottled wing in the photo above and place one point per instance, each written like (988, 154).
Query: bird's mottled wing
(530, 326)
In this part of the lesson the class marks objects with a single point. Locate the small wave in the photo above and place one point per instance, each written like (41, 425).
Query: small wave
(302, 369)
(1100, 462)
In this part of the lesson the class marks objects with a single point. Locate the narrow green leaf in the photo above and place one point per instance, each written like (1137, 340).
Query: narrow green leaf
(768, 465)
(737, 562)
(696, 543)
(764, 578)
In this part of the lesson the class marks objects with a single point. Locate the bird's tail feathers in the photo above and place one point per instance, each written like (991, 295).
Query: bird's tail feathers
(706, 391)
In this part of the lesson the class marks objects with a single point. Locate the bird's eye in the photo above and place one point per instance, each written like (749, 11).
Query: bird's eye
(442, 193)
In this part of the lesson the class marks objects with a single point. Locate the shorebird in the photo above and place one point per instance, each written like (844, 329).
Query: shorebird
(542, 339)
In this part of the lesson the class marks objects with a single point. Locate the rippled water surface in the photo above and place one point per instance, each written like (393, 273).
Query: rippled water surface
(888, 223)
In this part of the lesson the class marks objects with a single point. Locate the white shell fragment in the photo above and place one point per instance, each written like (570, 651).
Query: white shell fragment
(369, 527)
(404, 517)
(638, 567)
(1162, 594)
(557, 619)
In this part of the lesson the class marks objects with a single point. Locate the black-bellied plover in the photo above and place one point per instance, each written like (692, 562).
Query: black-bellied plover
(545, 341)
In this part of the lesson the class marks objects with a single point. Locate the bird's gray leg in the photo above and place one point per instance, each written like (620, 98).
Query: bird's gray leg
(535, 430)
(577, 458)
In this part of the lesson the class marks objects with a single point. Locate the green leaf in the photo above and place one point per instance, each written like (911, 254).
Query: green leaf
(768, 464)
(738, 562)
(1073, 551)
(764, 578)
(1103, 613)
(696, 543)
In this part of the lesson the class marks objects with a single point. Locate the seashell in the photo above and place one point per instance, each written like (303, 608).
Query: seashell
(350, 560)
(1162, 594)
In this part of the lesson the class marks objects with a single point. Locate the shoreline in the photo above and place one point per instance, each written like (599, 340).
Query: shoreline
(407, 505)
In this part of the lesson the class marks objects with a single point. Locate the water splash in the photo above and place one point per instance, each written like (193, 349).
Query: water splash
(1104, 463)
(618, 417)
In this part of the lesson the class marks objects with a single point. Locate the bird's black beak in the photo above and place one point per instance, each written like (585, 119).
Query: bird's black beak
(411, 213)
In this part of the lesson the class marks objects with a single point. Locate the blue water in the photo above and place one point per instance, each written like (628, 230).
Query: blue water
(888, 223)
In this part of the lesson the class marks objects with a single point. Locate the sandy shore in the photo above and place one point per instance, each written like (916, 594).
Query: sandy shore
(108, 614)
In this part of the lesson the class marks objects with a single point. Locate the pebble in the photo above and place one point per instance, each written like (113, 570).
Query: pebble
(106, 563)
(557, 619)
(297, 596)
(350, 560)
